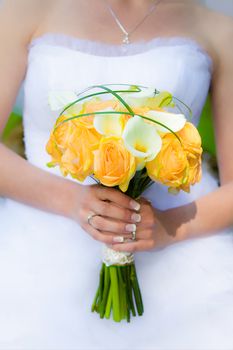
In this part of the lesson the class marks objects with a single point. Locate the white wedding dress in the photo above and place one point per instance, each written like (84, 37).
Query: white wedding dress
(49, 267)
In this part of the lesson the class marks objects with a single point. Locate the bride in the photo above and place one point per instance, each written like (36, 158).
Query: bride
(49, 252)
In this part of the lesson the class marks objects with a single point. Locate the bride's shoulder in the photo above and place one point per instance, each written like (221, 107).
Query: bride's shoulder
(216, 24)
(217, 29)
(25, 8)
(23, 17)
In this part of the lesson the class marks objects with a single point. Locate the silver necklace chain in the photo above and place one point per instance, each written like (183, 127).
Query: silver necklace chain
(126, 39)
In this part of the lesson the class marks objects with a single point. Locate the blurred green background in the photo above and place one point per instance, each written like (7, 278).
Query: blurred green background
(206, 129)
(12, 135)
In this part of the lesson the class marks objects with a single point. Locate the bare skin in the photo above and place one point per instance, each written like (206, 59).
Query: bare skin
(20, 21)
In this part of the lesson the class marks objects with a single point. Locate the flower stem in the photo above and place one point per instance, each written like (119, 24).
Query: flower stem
(93, 308)
(122, 290)
(118, 292)
(130, 294)
(127, 291)
(136, 289)
(101, 286)
(115, 294)
(105, 291)
(109, 303)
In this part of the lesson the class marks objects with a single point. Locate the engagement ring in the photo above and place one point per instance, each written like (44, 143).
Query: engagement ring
(133, 236)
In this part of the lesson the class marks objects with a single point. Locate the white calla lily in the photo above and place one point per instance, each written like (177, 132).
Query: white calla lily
(138, 99)
(108, 124)
(173, 121)
(59, 99)
(141, 139)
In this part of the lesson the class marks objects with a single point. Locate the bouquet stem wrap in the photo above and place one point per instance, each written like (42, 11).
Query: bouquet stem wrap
(118, 291)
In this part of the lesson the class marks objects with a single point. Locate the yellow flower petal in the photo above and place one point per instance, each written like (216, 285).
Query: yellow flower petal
(114, 165)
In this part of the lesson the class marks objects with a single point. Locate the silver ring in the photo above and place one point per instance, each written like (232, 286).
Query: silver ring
(91, 216)
(134, 236)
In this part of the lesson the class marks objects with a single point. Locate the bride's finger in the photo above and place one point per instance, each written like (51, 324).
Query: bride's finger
(118, 198)
(140, 236)
(104, 224)
(143, 234)
(107, 238)
(104, 237)
(108, 209)
(134, 246)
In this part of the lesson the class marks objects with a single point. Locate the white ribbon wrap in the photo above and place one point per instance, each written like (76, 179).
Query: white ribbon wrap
(112, 257)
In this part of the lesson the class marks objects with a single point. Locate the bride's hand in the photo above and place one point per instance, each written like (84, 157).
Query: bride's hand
(151, 232)
(115, 214)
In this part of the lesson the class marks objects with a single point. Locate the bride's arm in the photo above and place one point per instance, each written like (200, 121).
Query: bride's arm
(213, 212)
(26, 183)
(18, 178)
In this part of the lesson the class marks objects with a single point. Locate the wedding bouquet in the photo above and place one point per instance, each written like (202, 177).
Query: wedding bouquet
(127, 137)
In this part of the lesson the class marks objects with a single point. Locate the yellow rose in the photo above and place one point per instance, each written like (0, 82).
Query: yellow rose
(84, 121)
(191, 142)
(65, 145)
(93, 137)
(89, 135)
(54, 151)
(178, 164)
(193, 175)
(170, 165)
(113, 163)
(59, 140)
(190, 139)
(78, 157)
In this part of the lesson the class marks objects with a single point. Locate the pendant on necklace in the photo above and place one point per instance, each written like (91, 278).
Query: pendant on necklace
(126, 39)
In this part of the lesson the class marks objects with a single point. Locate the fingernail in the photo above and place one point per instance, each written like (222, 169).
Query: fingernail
(118, 239)
(136, 217)
(130, 227)
(134, 205)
